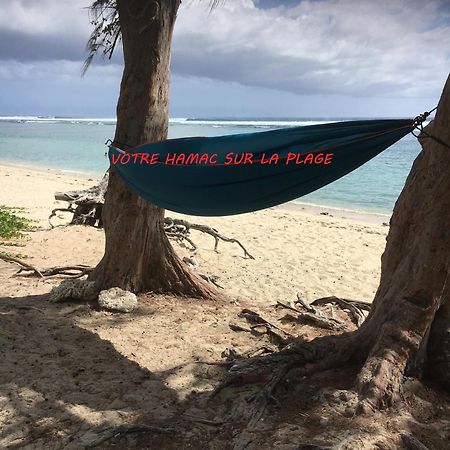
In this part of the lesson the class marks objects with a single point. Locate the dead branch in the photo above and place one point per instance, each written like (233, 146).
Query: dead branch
(315, 320)
(56, 210)
(211, 279)
(204, 420)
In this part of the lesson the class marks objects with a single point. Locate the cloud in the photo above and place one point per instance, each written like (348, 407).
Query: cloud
(352, 47)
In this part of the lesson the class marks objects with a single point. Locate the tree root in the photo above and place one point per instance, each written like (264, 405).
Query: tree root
(382, 354)
(127, 429)
(26, 270)
(69, 209)
(179, 229)
(271, 371)
(277, 335)
(23, 265)
(89, 210)
(355, 308)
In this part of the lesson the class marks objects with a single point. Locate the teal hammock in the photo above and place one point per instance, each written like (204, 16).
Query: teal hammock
(234, 174)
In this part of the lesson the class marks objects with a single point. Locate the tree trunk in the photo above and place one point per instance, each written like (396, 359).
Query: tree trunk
(411, 309)
(138, 256)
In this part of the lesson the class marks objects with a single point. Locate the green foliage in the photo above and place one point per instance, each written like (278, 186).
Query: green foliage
(12, 225)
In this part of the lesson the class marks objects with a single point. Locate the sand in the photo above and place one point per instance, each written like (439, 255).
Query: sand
(74, 377)
(297, 248)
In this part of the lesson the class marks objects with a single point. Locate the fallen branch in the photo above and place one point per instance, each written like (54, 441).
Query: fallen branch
(95, 194)
(205, 421)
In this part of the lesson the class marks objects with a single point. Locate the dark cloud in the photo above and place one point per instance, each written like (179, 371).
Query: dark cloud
(22, 46)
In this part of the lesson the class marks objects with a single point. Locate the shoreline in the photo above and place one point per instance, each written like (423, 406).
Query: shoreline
(308, 208)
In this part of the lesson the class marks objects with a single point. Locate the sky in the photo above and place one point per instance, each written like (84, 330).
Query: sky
(246, 58)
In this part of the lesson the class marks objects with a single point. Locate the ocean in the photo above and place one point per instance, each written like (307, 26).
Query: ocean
(77, 145)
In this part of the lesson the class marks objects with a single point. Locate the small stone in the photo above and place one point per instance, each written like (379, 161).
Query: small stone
(116, 299)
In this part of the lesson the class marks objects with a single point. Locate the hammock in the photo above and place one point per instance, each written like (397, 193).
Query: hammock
(221, 181)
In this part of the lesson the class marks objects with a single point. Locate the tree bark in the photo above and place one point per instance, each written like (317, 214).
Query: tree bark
(411, 309)
(138, 256)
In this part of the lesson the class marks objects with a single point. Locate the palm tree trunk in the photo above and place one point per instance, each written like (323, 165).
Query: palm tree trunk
(138, 256)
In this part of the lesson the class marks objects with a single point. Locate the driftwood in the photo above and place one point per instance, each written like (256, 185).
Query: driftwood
(86, 206)
(89, 204)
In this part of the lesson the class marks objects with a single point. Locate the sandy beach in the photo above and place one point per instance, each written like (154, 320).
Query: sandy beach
(314, 250)
(74, 376)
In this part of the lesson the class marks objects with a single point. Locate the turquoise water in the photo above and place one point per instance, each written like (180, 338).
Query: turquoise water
(78, 145)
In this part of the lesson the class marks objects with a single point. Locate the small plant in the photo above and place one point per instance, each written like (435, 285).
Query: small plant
(11, 225)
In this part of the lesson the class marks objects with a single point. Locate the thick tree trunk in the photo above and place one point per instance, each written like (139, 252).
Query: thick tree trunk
(411, 310)
(138, 256)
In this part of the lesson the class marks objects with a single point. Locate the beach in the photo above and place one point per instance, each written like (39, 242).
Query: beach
(312, 250)
(72, 373)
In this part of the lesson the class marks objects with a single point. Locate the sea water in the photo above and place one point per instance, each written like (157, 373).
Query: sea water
(77, 145)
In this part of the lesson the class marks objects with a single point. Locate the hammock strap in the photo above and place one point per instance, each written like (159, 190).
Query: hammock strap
(418, 125)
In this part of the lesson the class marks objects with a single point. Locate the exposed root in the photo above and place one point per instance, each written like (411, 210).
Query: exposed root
(277, 335)
(265, 396)
(26, 270)
(313, 317)
(179, 229)
(271, 371)
(23, 265)
(126, 429)
(357, 310)
(69, 209)
(394, 344)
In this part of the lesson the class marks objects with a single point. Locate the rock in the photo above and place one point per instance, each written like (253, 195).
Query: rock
(74, 290)
(116, 299)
